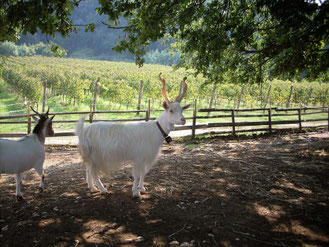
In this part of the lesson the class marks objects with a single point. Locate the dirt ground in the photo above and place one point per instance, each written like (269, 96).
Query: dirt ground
(263, 191)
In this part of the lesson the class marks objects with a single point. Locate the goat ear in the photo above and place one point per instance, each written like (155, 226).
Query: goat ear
(165, 105)
(186, 107)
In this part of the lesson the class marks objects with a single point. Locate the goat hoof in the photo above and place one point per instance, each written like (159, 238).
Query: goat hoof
(143, 189)
(136, 194)
(103, 192)
(19, 198)
(40, 189)
(93, 189)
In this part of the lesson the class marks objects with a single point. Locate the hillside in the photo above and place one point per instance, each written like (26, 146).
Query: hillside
(89, 45)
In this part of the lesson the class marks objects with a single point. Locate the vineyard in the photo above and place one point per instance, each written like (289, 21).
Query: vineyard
(69, 85)
(72, 81)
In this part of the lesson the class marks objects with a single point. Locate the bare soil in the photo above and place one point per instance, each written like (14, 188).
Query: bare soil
(265, 191)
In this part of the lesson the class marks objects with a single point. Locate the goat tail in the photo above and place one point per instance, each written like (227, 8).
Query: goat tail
(83, 144)
(79, 127)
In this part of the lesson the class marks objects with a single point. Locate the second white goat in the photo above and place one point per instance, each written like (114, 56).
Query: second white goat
(105, 146)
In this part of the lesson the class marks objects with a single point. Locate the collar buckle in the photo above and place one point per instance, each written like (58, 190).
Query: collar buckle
(168, 139)
(164, 134)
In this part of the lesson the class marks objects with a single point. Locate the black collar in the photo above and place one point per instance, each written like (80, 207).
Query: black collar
(166, 137)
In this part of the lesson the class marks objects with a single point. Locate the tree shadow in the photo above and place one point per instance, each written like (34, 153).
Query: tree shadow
(224, 193)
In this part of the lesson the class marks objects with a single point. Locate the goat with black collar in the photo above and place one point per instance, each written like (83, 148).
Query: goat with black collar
(105, 146)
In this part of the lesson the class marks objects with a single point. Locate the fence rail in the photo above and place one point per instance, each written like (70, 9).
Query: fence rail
(219, 121)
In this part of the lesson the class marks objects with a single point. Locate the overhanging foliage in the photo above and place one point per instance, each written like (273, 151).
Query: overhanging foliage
(246, 41)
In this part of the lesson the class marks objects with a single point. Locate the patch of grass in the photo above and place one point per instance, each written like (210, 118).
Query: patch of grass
(11, 105)
(9, 102)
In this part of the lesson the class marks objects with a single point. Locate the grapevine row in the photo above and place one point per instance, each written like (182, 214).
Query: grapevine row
(74, 80)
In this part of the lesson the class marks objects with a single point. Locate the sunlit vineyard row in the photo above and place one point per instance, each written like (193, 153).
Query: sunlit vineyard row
(73, 80)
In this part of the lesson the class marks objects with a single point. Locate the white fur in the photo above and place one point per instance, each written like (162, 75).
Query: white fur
(19, 156)
(105, 146)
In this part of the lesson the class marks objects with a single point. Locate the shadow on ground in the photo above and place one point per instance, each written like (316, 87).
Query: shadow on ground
(270, 191)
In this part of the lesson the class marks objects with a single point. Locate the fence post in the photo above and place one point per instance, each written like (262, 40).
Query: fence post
(194, 120)
(148, 112)
(270, 117)
(300, 117)
(212, 97)
(233, 119)
(28, 118)
(140, 95)
(268, 95)
(289, 98)
(44, 96)
(91, 112)
(95, 93)
(328, 118)
(309, 96)
(325, 97)
(241, 94)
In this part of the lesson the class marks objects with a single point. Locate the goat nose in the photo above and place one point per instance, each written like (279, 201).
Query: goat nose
(183, 120)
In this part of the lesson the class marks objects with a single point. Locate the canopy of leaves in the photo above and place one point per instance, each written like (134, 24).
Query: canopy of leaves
(50, 17)
(245, 40)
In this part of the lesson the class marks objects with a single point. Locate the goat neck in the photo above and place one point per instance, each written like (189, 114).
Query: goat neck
(165, 124)
(40, 130)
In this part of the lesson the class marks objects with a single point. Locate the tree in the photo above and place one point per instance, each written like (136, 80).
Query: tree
(248, 40)
(50, 17)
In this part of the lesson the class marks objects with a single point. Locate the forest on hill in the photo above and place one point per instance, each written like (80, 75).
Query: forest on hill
(96, 45)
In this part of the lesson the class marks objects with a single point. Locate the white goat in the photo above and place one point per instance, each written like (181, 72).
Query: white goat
(19, 156)
(104, 146)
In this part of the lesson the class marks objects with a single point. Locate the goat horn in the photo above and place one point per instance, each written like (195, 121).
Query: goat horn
(35, 111)
(47, 112)
(163, 90)
(184, 88)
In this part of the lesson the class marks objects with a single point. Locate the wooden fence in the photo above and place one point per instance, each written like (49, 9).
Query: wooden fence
(267, 119)
(218, 121)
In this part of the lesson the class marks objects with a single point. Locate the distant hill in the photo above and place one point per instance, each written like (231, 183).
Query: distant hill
(90, 45)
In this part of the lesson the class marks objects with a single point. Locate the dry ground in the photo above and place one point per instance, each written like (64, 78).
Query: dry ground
(265, 191)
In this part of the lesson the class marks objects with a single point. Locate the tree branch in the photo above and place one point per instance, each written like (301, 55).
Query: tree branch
(165, 10)
(117, 28)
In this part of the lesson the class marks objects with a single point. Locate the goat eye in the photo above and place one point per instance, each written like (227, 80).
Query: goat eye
(171, 111)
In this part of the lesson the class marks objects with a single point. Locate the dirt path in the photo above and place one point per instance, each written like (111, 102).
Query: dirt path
(268, 191)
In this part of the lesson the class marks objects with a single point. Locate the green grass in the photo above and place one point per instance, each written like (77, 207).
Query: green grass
(11, 105)
(8, 102)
